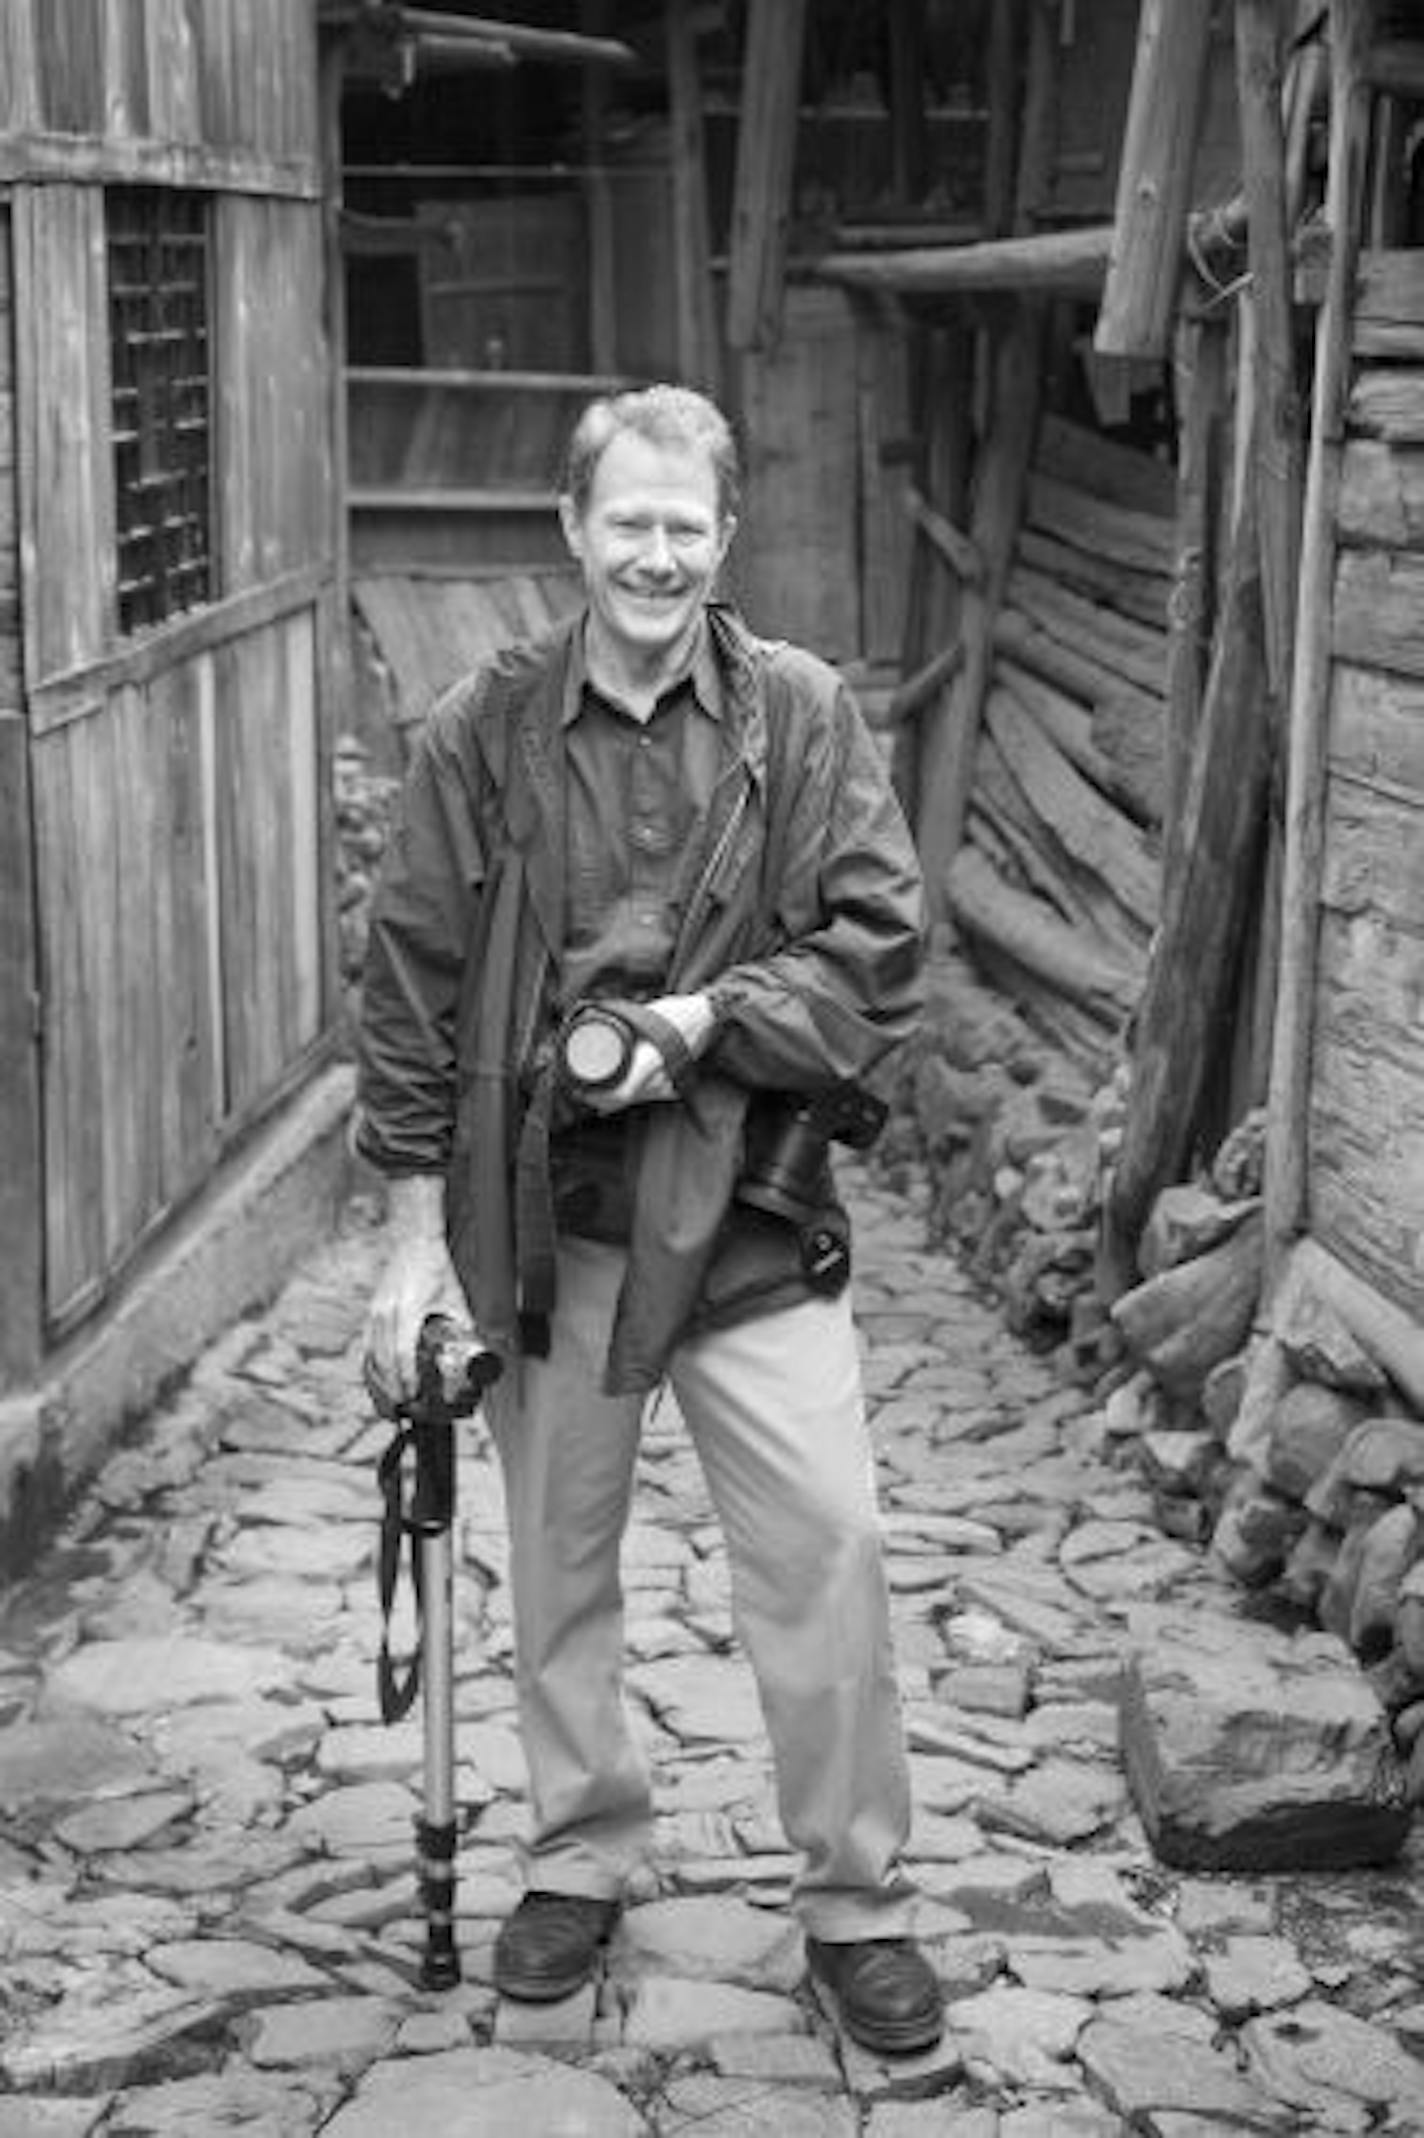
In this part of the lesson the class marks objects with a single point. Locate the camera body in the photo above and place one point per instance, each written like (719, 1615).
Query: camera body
(785, 1168)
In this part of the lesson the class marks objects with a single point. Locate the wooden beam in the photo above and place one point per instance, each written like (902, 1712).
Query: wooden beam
(766, 153)
(1155, 177)
(945, 538)
(947, 763)
(697, 340)
(1057, 263)
(1276, 455)
(1351, 22)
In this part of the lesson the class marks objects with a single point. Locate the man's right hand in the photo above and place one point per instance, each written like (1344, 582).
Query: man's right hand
(418, 1280)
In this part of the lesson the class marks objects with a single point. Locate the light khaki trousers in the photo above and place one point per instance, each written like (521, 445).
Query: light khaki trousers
(775, 1411)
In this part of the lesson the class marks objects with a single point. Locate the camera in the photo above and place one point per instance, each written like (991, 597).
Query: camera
(785, 1168)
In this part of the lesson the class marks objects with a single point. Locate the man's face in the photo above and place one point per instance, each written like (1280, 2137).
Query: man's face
(649, 541)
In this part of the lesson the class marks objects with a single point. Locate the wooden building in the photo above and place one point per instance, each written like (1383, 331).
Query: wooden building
(167, 617)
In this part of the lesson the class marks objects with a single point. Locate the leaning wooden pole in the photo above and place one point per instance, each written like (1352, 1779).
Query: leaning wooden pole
(1155, 178)
(1287, 1117)
(1184, 1016)
(1276, 456)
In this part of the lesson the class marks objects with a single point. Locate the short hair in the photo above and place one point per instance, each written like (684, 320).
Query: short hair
(664, 416)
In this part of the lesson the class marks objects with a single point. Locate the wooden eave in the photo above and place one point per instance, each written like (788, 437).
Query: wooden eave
(1067, 263)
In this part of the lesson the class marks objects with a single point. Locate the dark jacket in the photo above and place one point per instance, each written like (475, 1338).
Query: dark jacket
(806, 913)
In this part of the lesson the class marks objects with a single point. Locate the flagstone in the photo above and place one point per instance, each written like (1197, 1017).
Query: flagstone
(668, 2012)
(67, 1759)
(122, 1822)
(704, 1937)
(708, 2105)
(515, 2092)
(345, 2032)
(1144, 2069)
(156, 1674)
(1027, 2035)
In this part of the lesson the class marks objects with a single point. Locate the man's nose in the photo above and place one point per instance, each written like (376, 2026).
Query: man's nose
(657, 554)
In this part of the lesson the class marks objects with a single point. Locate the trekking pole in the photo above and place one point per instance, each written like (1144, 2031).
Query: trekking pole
(452, 1372)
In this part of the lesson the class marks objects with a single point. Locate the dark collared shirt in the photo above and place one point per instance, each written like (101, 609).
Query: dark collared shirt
(638, 793)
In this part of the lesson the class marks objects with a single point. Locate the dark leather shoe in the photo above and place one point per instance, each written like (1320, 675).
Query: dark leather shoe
(889, 1995)
(550, 1945)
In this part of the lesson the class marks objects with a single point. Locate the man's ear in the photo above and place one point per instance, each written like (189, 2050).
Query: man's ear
(572, 525)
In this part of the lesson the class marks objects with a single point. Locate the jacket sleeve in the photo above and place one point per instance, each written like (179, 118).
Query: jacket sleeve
(841, 982)
(422, 921)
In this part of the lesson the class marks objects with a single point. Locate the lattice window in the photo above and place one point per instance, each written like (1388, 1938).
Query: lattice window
(162, 400)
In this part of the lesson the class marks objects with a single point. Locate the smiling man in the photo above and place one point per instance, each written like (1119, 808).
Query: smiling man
(649, 919)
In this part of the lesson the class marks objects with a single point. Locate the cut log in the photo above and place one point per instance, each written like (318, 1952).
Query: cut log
(1136, 749)
(1389, 404)
(1379, 610)
(1138, 594)
(1037, 860)
(1139, 540)
(1190, 1317)
(1069, 723)
(1389, 307)
(1155, 177)
(1025, 930)
(1104, 468)
(1133, 651)
(1085, 825)
(1382, 495)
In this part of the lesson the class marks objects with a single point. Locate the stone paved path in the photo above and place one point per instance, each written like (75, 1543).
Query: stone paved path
(206, 1912)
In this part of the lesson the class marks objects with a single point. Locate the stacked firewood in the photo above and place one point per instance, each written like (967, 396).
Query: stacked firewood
(1056, 887)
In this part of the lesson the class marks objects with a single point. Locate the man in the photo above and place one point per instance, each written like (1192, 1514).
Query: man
(652, 810)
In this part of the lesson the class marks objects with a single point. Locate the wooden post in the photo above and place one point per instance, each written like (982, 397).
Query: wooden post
(1187, 998)
(1038, 140)
(1155, 177)
(766, 155)
(942, 410)
(697, 346)
(1002, 97)
(951, 732)
(1201, 397)
(1276, 458)
(335, 661)
(594, 20)
(21, 1182)
(909, 138)
(1287, 1119)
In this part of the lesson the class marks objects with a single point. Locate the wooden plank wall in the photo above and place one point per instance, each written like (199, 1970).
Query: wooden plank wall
(175, 77)
(1366, 1113)
(274, 497)
(178, 776)
(823, 552)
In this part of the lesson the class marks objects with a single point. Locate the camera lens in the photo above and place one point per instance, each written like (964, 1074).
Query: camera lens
(596, 1049)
